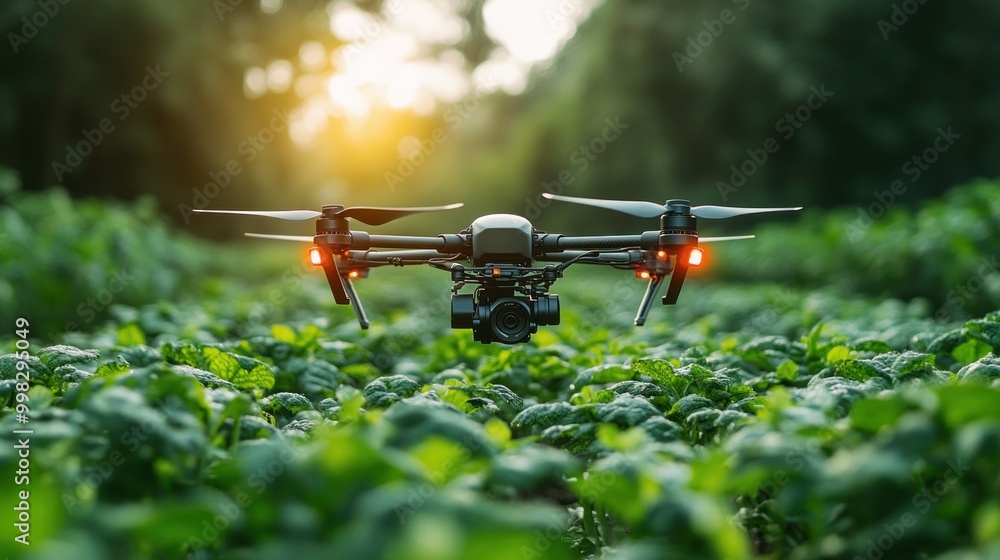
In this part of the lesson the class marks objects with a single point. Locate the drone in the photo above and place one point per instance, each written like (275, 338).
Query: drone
(511, 264)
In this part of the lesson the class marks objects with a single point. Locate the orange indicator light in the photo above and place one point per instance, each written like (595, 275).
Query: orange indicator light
(661, 254)
(316, 256)
(696, 256)
(642, 274)
(353, 274)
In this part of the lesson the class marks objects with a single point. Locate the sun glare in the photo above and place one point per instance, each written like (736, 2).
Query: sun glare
(400, 61)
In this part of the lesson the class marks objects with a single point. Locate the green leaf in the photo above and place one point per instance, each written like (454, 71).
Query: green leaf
(284, 333)
(113, 369)
(285, 403)
(626, 411)
(659, 370)
(548, 414)
(788, 370)
(838, 354)
(962, 404)
(60, 355)
(870, 415)
(970, 351)
(984, 370)
(389, 389)
(130, 335)
(857, 370)
(242, 371)
(37, 371)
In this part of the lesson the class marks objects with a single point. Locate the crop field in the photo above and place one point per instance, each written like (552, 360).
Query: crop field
(797, 403)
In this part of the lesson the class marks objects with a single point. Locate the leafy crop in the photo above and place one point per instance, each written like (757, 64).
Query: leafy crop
(810, 446)
(754, 421)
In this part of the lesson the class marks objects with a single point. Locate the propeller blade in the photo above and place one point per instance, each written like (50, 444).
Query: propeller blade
(294, 215)
(721, 212)
(377, 216)
(299, 238)
(633, 207)
(725, 238)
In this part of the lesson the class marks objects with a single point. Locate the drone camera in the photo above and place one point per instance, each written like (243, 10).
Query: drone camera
(501, 317)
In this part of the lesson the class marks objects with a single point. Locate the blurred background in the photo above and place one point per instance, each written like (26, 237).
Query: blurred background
(118, 118)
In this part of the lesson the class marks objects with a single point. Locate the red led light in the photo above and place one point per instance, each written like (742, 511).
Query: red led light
(696, 256)
(316, 256)
(642, 274)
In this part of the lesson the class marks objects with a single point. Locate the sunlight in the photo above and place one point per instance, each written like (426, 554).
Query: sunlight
(395, 63)
(533, 31)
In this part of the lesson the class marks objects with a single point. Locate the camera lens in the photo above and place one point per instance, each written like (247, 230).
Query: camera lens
(547, 310)
(463, 307)
(510, 320)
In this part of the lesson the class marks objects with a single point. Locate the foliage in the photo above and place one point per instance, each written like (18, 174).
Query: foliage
(76, 258)
(944, 252)
(698, 436)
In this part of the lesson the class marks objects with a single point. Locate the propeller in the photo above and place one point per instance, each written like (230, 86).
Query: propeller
(644, 209)
(373, 216)
(725, 238)
(299, 238)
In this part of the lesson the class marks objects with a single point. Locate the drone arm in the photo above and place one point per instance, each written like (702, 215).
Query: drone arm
(599, 242)
(615, 257)
(380, 258)
(647, 299)
(449, 243)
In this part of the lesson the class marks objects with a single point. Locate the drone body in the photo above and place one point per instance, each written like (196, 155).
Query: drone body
(511, 264)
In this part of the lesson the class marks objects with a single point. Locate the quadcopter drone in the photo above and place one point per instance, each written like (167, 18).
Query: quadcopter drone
(500, 255)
